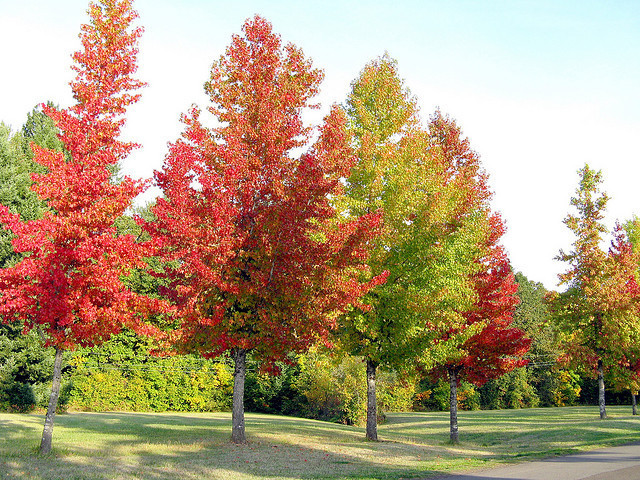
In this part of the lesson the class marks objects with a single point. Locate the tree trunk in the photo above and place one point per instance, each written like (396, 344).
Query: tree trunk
(453, 405)
(237, 416)
(601, 403)
(372, 407)
(47, 434)
(634, 407)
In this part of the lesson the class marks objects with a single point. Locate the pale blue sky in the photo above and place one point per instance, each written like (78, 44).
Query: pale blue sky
(540, 87)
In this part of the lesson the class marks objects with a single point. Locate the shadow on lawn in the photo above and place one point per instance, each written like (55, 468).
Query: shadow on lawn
(532, 434)
(171, 446)
(12, 430)
(195, 446)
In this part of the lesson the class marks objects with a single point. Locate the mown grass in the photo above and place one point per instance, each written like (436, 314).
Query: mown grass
(196, 446)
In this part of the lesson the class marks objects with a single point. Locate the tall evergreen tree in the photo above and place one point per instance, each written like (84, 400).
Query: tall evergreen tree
(533, 315)
(16, 168)
(41, 130)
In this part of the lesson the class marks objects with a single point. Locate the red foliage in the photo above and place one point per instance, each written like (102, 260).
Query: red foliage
(69, 281)
(461, 164)
(498, 347)
(626, 262)
(262, 260)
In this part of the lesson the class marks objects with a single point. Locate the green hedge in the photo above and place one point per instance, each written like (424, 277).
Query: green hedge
(176, 384)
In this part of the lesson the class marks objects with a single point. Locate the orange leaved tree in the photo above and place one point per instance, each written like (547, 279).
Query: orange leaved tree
(598, 313)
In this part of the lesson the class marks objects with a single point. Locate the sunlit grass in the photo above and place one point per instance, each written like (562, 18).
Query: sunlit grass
(195, 446)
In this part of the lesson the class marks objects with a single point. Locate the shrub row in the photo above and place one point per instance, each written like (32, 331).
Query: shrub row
(178, 384)
(319, 384)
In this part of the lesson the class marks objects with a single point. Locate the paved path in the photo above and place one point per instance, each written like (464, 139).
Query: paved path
(615, 463)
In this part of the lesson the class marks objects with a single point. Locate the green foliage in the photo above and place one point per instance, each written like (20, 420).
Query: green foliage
(24, 363)
(274, 392)
(176, 384)
(22, 357)
(41, 130)
(16, 167)
(42, 391)
(15, 396)
(142, 281)
(26, 397)
(121, 375)
(553, 386)
(405, 171)
(534, 317)
(512, 390)
(434, 396)
(395, 394)
(560, 387)
(335, 388)
(566, 388)
(632, 228)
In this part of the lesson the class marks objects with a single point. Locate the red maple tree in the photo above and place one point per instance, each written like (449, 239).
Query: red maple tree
(483, 345)
(616, 354)
(497, 348)
(263, 262)
(462, 167)
(69, 283)
(625, 252)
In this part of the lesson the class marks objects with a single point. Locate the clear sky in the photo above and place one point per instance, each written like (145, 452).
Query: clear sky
(540, 87)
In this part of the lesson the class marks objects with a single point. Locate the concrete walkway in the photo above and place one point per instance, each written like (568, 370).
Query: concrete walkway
(615, 463)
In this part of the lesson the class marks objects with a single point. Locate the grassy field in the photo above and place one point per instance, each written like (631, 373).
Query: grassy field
(196, 446)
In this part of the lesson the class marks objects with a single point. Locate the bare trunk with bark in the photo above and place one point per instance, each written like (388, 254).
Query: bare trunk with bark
(237, 415)
(453, 405)
(601, 402)
(634, 407)
(372, 407)
(47, 434)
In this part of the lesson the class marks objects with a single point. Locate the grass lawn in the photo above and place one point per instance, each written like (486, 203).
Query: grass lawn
(197, 446)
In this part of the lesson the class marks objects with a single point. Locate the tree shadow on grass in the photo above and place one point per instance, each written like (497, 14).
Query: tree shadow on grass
(175, 445)
(14, 427)
(172, 446)
(532, 428)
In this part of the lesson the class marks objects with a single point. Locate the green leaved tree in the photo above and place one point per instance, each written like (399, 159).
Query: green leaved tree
(429, 228)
